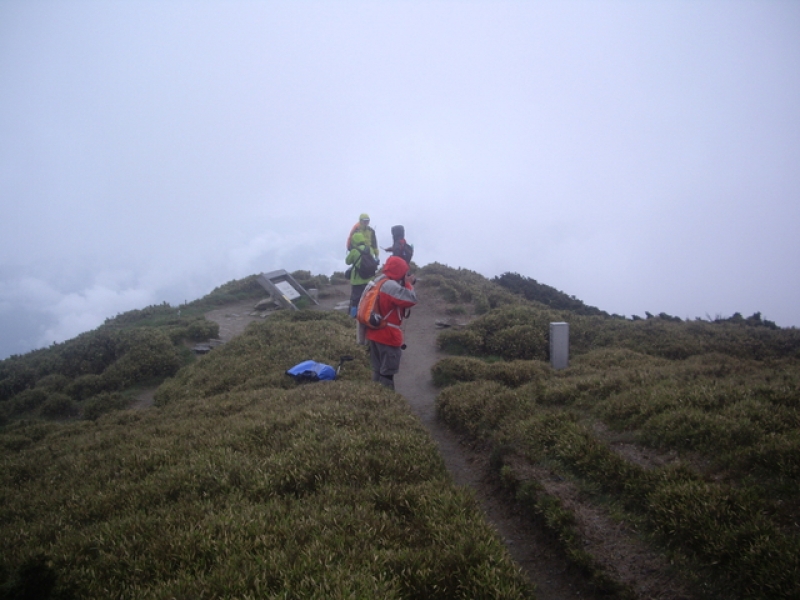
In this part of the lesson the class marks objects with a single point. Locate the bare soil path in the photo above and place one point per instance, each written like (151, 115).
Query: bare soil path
(547, 571)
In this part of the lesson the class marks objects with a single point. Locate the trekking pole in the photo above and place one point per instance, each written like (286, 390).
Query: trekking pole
(342, 360)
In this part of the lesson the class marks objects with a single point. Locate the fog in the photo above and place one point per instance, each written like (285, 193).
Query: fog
(640, 156)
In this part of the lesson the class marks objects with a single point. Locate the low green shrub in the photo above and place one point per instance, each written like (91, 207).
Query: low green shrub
(200, 330)
(723, 533)
(143, 354)
(511, 332)
(338, 278)
(102, 403)
(309, 281)
(459, 286)
(456, 310)
(235, 290)
(35, 578)
(109, 359)
(454, 369)
(86, 386)
(27, 401)
(515, 373)
(155, 315)
(615, 358)
(774, 466)
(323, 490)
(518, 342)
(696, 429)
(17, 373)
(54, 382)
(58, 406)
(545, 294)
(461, 341)
(477, 408)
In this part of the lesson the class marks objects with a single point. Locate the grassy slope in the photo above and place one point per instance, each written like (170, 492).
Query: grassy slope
(104, 369)
(720, 400)
(243, 484)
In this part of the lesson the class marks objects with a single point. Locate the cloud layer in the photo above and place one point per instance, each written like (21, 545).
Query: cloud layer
(642, 157)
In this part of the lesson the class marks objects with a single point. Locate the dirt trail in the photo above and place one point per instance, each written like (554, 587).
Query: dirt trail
(548, 572)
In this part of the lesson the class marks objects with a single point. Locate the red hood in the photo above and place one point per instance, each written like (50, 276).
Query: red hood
(395, 268)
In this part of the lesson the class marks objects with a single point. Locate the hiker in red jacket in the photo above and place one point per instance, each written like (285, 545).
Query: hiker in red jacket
(396, 298)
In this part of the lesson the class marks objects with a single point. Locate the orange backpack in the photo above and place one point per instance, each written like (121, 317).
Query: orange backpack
(368, 313)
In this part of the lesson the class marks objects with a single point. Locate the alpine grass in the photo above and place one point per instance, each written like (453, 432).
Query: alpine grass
(688, 430)
(241, 483)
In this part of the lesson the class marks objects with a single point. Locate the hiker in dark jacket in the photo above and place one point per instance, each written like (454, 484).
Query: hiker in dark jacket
(399, 245)
(353, 258)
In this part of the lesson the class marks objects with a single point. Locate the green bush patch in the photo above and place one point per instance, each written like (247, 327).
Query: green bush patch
(687, 429)
(242, 483)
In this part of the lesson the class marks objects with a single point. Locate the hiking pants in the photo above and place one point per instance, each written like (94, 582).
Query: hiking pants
(385, 361)
(355, 295)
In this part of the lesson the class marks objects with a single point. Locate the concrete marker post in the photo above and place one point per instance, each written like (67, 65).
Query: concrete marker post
(559, 345)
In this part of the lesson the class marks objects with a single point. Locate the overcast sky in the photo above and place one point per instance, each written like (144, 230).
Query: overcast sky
(642, 156)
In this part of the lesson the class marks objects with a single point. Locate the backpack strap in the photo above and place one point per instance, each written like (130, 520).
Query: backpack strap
(399, 314)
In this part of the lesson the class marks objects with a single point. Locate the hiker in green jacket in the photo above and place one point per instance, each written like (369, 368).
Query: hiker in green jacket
(357, 282)
(370, 237)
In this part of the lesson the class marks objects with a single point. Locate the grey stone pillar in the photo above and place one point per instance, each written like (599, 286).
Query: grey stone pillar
(559, 345)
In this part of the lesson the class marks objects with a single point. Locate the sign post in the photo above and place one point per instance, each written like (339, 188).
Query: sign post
(283, 288)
